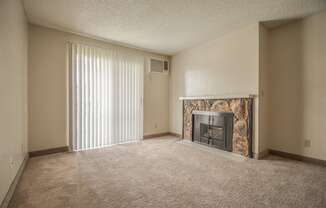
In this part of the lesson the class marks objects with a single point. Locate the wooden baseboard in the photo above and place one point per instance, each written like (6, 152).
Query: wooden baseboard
(48, 151)
(298, 157)
(162, 134)
(156, 135)
(261, 155)
(12, 188)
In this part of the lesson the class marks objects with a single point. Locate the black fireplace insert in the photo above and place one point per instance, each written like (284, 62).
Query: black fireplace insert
(213, 128)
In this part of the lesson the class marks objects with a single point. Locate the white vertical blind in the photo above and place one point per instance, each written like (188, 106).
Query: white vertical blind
(106, 96)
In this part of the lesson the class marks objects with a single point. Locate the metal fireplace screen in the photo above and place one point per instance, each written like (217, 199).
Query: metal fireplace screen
(213, 129)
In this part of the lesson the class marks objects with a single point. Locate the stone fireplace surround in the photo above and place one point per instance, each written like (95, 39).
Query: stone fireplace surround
(240, 106)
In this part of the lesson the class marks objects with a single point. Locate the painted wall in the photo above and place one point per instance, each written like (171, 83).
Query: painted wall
(13, 91)
(297, 87)
(47, 89)
(264, 89)
(156, 103)
(227, 65)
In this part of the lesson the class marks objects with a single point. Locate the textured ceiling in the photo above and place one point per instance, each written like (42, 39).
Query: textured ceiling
(165, 26)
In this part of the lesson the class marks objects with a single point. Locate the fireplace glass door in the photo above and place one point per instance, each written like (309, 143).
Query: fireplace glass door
(213, 129)
(212, 135)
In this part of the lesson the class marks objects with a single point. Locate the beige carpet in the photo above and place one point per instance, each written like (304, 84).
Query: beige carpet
(167, 173)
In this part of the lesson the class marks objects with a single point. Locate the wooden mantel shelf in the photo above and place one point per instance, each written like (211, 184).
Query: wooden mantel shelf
(221, 96)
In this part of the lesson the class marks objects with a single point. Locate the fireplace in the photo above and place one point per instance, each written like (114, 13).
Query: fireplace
(213, 128)
(237, 130)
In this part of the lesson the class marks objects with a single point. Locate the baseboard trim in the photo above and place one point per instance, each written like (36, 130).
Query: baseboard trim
(298, 157)
(13, 185)
(261, 155)
(156, 135)
(162, 134)
(48, 151)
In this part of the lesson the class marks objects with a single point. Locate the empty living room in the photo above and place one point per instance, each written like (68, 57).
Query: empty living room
(162, 103)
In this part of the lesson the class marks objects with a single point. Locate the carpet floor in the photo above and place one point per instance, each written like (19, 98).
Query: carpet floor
(165, 172)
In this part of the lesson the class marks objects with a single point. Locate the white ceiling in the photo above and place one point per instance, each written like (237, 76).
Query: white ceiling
(164, 26)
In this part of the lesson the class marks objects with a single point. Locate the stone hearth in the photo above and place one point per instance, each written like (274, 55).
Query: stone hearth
(242, 122)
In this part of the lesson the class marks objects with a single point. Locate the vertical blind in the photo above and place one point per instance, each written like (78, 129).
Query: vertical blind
(106, 96)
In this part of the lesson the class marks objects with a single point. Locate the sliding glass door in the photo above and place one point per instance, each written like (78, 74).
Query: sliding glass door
(106, 97)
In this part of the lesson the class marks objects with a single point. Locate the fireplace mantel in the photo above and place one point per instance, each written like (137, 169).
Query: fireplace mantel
(220, 96)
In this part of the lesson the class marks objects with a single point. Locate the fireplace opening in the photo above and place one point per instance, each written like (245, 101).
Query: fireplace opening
(213, 129)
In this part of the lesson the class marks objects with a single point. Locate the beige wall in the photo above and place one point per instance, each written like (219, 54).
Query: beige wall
(156, 103)
(47, 77)
(13, 91)
(227, 65)
(264, 90)
(296, 87)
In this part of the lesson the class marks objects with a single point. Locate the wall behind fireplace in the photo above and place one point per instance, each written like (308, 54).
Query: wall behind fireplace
(226, 65)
